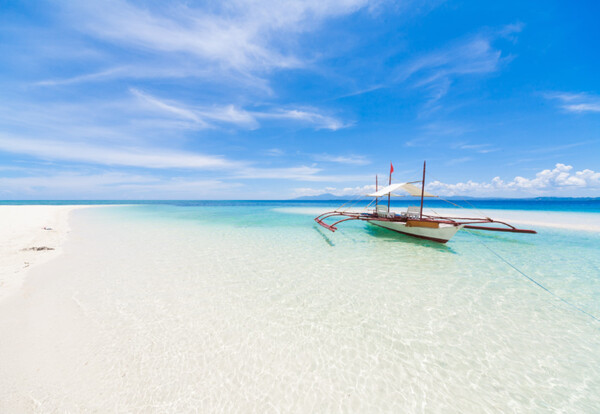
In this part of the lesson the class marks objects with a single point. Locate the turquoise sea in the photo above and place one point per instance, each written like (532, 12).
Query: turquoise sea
(249, 306)
(544, 204)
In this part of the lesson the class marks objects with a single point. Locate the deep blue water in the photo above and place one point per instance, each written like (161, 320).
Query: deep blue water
(566, 204)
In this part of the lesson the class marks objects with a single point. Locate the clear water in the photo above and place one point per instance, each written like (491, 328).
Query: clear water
(254, 308)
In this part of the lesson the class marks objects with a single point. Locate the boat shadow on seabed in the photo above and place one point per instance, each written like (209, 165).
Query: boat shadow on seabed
(392, 236)
(389, 236)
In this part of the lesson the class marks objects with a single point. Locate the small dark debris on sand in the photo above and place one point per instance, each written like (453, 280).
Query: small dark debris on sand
(37, 249)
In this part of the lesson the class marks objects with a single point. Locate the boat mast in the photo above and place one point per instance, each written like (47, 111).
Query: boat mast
(422, 191)
(376, 189)
(390, 194)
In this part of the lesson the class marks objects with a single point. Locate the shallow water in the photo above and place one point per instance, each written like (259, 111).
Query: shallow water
(258, 309)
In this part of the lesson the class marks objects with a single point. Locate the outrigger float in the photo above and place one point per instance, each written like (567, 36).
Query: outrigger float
(413, 222)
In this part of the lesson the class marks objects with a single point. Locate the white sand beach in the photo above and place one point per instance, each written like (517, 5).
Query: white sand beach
(29, 235)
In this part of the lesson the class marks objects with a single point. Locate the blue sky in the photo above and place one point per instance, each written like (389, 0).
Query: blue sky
(269, 100)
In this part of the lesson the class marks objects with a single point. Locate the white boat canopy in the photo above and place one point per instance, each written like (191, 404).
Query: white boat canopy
(409, 188)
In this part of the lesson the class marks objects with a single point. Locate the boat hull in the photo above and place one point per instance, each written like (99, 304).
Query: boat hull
(441, 234)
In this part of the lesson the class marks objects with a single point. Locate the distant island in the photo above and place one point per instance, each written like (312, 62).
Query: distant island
(333, 197)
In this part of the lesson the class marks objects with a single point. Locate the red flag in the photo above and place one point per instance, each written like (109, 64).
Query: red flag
(391, 168)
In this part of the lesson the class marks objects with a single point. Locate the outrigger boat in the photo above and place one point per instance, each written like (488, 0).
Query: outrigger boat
(413, 222)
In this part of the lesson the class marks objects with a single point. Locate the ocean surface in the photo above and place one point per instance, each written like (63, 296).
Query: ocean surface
(591, 205)
(241, 306)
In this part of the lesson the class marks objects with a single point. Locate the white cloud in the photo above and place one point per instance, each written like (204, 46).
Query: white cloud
(576, 102)
(342, 159)
(559, 181)
(320, 121)
(556, 181)
(560, 176)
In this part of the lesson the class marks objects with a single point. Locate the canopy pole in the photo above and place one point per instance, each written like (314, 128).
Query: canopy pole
(422, 191)
(376, 189)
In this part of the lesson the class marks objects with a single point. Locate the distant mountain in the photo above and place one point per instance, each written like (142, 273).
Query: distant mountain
(333, 197)
(567, 198)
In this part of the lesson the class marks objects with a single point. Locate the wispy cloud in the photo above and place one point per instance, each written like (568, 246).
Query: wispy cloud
(344, 191)
(455, 161)
(230, 114)
(161, 67)
(302, 173)
(245, 36)
(274, 152)
(437, 70)
(362, 91)
(200, 116)
(103, 155)
(559, 148)
(157, 158)
(171, 108)
(446, 128)
(72, 180)
(342, 159)
(207, 36)
(576, 102)
(94, 76)
(239, 42)
(310, 116)
(480, 148)
(75, 185)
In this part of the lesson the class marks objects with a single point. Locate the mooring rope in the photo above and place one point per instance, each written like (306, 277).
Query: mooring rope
(533, 280)
(368, 205)
(340, 207)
